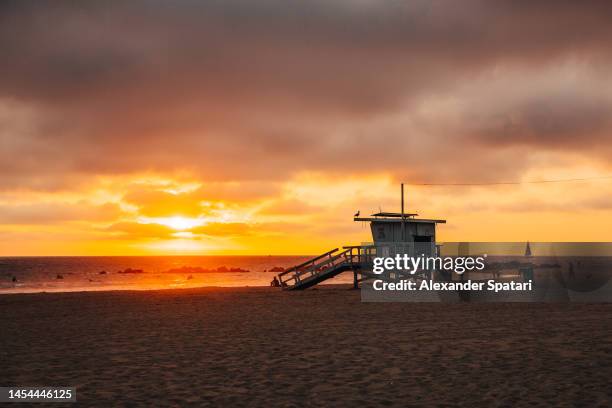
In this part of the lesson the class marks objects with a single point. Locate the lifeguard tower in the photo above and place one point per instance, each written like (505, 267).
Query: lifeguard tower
(392, 233)
(402, 232)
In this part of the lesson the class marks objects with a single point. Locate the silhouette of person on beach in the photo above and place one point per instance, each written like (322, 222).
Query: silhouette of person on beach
(275, 283)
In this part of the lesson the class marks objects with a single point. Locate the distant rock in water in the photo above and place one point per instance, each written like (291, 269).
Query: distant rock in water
(14, 279)
(102, 273)
(59, 276)
(130, 270)
(276, 269)
(188, 269)
(190, 277)
(197, 269)
(223, 269)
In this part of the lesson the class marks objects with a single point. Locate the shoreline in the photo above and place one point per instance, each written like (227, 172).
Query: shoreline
(325, 286)
(105, 290)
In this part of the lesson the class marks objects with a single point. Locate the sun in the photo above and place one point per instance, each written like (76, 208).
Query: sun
(178, 222)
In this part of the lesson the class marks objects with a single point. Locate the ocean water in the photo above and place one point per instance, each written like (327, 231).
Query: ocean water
(61, 274)
(64, 274)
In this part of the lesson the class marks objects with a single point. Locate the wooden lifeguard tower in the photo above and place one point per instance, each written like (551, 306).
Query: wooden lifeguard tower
(392, 233)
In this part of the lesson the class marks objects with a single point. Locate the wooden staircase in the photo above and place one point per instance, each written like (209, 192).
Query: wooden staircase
(316, 270)
(357, 259)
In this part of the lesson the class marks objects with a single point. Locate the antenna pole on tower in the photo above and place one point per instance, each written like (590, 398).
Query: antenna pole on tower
(403, 217)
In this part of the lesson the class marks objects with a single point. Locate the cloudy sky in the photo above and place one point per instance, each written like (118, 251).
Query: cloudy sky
(240, 126)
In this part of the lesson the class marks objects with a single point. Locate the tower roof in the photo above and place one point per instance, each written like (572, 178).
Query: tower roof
(397, 217)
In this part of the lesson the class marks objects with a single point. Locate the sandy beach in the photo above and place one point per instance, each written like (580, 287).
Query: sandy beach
(264, 347)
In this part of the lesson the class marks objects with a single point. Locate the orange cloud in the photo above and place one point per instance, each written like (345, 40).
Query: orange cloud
(135, 230)
(225, 229)
(155, 203)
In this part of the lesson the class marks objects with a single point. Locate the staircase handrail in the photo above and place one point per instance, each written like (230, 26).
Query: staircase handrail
(327, 261)
(295, 268)
(313, 269)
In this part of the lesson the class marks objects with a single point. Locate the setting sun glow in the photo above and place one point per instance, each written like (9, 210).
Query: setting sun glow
(177, 222)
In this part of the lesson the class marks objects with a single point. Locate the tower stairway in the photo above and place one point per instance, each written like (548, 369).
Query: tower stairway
(317, 270)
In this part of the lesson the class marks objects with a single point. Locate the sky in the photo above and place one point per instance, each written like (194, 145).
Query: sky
(261, 127)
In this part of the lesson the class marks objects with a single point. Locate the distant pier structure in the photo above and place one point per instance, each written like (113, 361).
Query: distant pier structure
(392, 233)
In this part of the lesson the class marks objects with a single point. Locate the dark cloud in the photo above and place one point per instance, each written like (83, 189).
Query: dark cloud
(243, 90)
(574, 120)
